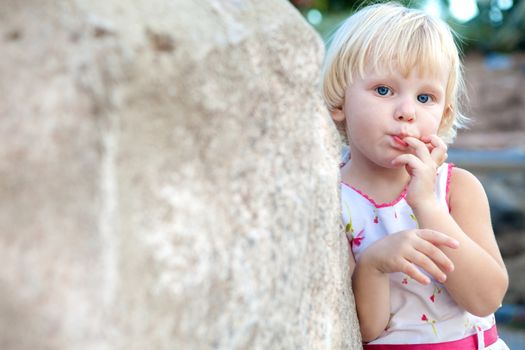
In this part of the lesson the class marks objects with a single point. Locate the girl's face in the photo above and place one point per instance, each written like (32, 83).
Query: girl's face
(384, 107)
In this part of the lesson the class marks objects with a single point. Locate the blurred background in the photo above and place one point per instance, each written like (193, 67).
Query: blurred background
(492, 38)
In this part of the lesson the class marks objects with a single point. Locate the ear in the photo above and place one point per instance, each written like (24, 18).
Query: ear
(338, 115)
(448, 114)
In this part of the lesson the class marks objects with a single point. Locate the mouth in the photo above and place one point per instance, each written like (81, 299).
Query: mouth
(398, 139)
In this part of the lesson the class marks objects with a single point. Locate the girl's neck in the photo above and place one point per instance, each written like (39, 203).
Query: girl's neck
(382, 184)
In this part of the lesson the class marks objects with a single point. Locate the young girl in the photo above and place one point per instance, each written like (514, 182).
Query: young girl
(427, 272)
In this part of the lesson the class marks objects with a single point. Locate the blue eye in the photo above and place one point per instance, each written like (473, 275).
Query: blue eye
(382, 90)
(423, 98)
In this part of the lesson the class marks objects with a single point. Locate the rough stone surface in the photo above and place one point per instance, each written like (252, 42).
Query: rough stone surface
(168, 179)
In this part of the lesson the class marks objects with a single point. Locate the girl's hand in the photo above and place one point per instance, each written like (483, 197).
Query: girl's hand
(437, 148)
(403, 251)
(429, 153)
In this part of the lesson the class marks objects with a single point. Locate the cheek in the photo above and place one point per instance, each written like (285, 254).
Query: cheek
(431, 126)
(435, 127)
(359, 125)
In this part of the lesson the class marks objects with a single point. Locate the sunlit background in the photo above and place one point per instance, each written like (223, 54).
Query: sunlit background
(492, 40)
(497, 25)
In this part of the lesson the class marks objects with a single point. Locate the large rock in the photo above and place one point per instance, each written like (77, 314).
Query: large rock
(168, 179)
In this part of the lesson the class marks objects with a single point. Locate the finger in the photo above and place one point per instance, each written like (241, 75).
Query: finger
(427, 264)
(412, 271)
(434, 140)
(409, 160)
(436, 255)
(420, 148)
(438, 238)
(438, 150)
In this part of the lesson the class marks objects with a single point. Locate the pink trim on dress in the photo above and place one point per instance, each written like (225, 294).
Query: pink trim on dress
(371, 200)
(469, 343)
(449, 177)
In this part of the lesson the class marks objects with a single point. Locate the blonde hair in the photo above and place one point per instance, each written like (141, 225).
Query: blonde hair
(394, 37)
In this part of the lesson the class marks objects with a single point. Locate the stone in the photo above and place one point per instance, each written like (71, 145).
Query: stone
(169, 179)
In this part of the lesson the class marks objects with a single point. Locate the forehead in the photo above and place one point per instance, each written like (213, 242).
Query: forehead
(432, 72)
(422, 57)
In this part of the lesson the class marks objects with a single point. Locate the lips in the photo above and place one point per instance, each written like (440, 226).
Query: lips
(398, 139)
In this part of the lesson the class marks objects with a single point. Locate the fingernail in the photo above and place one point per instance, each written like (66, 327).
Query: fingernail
(443, 278)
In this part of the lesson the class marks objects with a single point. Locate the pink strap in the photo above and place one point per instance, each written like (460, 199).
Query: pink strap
(468, 343)
(449, 177)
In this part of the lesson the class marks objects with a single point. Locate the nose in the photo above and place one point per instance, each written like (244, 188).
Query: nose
(405, 111)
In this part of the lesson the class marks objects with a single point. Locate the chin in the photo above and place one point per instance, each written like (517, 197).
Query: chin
(388, 164)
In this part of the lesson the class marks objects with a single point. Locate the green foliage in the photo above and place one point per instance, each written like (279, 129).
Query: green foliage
(495, 28)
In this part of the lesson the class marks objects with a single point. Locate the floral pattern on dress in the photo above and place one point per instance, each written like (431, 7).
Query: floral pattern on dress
(406, 279)
(349, 230)
(376, 217)
(358, 238)
(436, 291)
(424, 318)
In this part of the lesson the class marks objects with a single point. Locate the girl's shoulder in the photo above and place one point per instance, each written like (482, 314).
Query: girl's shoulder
(460, 177)
(464, 187)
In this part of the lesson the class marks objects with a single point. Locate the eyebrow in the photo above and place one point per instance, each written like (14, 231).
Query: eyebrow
(435, 88)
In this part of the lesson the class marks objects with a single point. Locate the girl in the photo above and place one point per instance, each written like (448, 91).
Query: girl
(427, 272)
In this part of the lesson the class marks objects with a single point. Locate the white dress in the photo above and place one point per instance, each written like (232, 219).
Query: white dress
(419, 314)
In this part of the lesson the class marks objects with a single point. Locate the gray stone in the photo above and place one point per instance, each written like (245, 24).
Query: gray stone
(168, 179)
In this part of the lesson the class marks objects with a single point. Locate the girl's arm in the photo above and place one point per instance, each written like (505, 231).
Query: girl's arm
(370, 327)
(377, 305)
(480, 279)
(372, 297)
